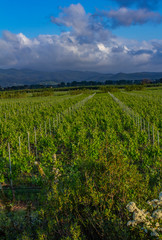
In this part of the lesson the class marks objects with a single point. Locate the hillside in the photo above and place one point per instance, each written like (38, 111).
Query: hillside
(14, 77)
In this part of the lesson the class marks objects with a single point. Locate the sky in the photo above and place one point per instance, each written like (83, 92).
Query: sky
(108, 36)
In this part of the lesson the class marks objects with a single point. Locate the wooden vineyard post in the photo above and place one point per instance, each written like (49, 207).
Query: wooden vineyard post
(148, 132)
(57, 120)
(40, 130)
(11, 183)
(10, 164)
(158, 137)
(19, 144)
(35, 141)
(50, 126)
(53, 125)
(45, 130)
(153, 135)
(54, 157)
(133, 118)
(28, 143)
(144, 125)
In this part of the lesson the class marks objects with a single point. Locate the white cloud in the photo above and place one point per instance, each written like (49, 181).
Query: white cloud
(91, 47)
(127, 17)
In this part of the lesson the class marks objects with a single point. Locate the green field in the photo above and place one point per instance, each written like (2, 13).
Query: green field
(70, 164)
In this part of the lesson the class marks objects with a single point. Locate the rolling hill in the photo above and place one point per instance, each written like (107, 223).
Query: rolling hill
(14, 77)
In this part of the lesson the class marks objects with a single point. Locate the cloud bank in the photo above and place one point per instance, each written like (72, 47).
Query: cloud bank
(149, 4)
(86, 45)
(128, 17)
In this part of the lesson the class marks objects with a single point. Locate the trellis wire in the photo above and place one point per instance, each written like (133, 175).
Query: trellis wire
(131, 113)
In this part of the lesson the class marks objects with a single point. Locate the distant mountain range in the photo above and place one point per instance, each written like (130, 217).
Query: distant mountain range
(14, 77)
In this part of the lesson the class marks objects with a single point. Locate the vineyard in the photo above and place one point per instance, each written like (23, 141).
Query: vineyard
(70, 164)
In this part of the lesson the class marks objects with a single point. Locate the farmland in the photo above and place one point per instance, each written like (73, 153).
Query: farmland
(70, 164)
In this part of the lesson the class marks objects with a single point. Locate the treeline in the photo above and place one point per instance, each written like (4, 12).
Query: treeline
(44, 91)
(110, 82)
(87, 84)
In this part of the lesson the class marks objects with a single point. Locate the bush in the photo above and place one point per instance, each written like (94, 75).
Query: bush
(88, 199)
(106, 89)
(134, 87)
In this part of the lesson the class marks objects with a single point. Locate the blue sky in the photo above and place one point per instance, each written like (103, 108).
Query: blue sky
(106, 36)
(32, 17)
